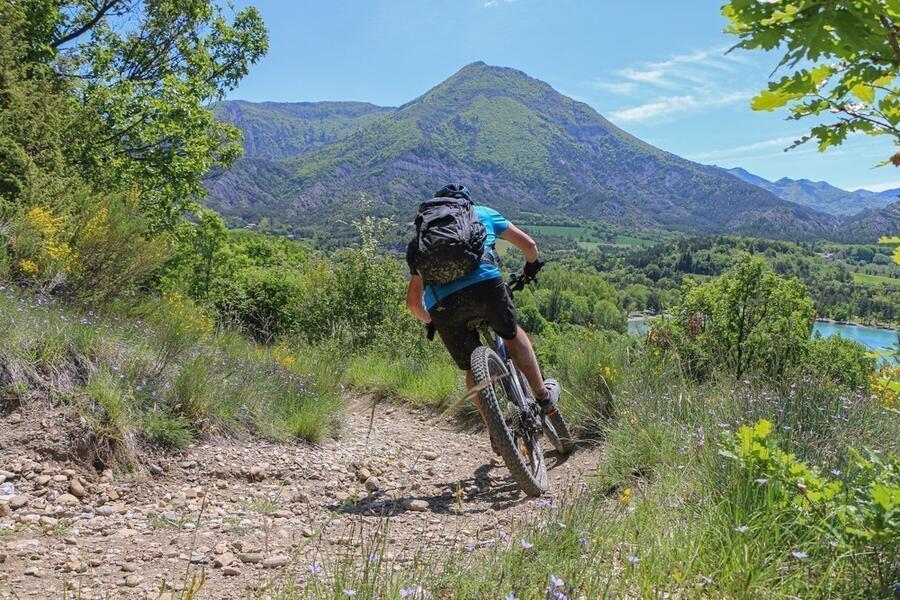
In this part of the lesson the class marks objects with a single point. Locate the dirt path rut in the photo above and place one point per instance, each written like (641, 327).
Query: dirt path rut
(250, 515)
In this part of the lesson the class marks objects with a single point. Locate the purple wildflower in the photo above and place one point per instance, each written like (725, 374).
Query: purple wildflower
(634, 560)
(510, 596)
(470, 547)
(741, 528)
(526, 544)
(762, 481)
(583, 541)
(349, 593)
(315, 569)
(799, 554)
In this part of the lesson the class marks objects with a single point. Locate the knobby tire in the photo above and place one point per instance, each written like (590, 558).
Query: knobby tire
(485, 365)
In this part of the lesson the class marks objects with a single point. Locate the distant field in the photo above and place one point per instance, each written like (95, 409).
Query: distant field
(568, 231)
(875, 279)
(593, 241)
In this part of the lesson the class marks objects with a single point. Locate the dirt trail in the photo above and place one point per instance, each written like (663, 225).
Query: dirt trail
(250, 514)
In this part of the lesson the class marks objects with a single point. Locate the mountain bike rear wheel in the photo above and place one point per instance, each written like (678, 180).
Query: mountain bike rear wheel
(520, 448)
(557, 431)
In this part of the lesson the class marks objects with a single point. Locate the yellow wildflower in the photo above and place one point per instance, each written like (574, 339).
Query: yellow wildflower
(28, 267)
(625, 497)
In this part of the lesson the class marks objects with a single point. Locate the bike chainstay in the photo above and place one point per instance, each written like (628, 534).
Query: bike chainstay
(527, 407)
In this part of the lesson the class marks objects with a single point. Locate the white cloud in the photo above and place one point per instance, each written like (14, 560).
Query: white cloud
(624, 88)
(694, 67)
(493, 3)
(738, 150)
(880, 187)
(672, 105)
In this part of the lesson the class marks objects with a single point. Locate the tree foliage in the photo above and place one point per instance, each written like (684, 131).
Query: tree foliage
(748, 320)
(118, 91)
(844, 58)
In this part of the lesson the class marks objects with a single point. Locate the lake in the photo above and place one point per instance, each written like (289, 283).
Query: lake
(876, 340)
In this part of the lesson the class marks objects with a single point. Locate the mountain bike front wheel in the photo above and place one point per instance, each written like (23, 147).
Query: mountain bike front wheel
(520, 448)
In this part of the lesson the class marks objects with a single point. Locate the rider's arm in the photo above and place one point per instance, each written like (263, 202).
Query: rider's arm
(522, 241)
(414, 300)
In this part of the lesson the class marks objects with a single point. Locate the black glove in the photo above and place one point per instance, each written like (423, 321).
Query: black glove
(531, 268)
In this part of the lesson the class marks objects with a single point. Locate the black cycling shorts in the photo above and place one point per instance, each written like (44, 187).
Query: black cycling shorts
(489, 300)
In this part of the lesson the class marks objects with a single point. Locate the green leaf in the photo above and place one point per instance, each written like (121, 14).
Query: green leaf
(864, 92)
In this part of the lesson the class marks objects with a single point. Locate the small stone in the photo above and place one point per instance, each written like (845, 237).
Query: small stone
(14, 418)
(372, 484)
(67, 499)
(415, 505)
(231, 571)
(5, 511)
(133, 580)
(60, 478)
(32, 571)
(17, 502)
(76, 489)
(220, 548)
(363, 474)
(300, 497)
(155, 469)
(430, 455)
(48, 521)
(112, 495)
(42, 480)
(95, 562)
(224, 560)
(250, 557)
(257, 473)
(73, 565)
(279, 560)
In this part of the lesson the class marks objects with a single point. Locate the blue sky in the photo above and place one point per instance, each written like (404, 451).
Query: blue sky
(656, 68)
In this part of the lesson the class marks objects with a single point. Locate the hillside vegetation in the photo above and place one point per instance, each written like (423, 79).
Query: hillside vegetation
(736, 455)
(519, 144)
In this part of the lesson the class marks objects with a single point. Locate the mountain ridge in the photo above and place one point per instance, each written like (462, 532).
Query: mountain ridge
(820, 195)
(520, 144)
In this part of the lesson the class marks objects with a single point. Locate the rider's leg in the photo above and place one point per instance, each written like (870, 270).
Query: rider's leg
(524, 358)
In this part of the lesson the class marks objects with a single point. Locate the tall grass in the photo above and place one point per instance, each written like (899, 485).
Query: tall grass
(668, 513)
(162, 374)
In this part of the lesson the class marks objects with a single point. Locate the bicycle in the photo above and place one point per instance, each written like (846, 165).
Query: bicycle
(515, 431)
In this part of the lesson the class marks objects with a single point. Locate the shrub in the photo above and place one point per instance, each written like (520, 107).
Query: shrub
(166, 429)
(105, 407)
(840, 360)
(855, 519)
(749, 320)
(179, 324)
(885, 384)
(193, 390)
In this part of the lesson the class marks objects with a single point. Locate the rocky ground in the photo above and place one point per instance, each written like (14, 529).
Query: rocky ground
(240, 518)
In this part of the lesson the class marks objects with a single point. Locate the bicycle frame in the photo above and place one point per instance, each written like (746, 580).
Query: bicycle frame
(495, 342)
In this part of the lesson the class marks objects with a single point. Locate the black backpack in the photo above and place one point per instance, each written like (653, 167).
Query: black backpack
(449, 240)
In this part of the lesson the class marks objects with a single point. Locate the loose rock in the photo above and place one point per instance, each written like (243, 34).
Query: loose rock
(279, 560)
(415, 505)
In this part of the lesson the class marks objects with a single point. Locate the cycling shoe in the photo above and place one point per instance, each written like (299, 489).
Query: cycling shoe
(551, 402)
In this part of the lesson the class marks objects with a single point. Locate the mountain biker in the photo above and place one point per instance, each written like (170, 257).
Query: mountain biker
(449, 307)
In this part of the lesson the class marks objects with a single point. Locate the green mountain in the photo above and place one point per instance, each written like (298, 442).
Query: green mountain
(516, 142)
(276, 130)
(820, 195)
